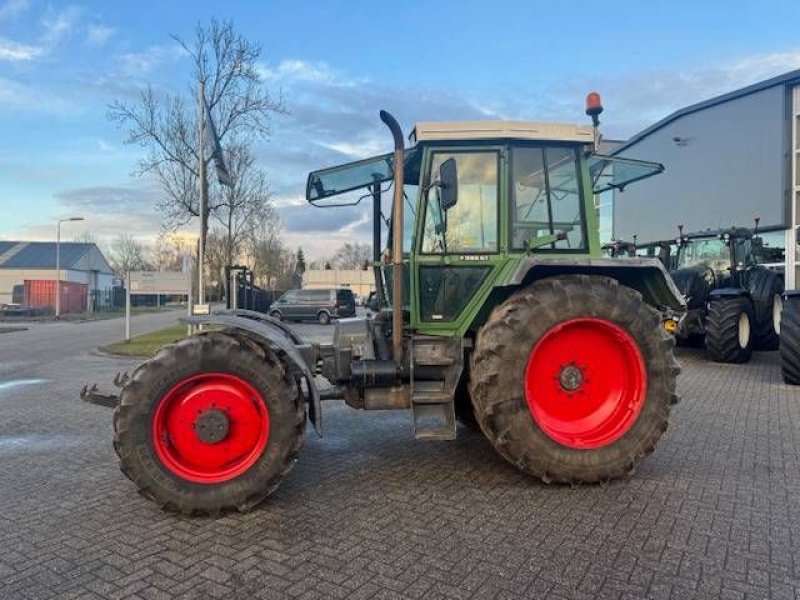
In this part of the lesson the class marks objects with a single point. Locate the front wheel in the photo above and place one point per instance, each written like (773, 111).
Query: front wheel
(210, 424)
(572, 379)
(729, 329)
(323, 318)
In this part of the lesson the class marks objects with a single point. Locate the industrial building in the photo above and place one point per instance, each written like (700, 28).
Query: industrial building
(726, 160)
(80, 263)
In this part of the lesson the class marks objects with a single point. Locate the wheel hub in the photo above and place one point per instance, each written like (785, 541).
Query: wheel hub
(585, 382)
(212, 426)
(571, 378)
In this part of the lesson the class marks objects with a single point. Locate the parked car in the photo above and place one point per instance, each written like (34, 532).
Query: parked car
(320, 305)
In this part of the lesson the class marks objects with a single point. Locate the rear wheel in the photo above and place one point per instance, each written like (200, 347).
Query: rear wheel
(729, 329)
(210, 424)
(323, 317)
(765, 288)
(790, 340)
(572, 379)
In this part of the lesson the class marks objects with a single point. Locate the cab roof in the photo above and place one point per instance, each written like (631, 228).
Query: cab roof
(484, 130)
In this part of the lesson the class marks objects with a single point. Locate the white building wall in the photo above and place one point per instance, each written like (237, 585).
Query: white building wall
(792, 254)
(361, 282)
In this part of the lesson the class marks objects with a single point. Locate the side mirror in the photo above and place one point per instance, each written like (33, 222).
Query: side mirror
(448, 181)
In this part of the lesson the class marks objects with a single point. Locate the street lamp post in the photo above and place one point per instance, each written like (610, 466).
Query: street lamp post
(58, 262)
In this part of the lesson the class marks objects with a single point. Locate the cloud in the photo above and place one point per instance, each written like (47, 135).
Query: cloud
(138, 64)
(59, 24)
(15, 52)
(98, 35)
(20, 97)
(12, 9)
(294, 70)
(112, 209)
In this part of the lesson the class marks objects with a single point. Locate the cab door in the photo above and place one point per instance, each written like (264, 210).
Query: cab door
(457, 249)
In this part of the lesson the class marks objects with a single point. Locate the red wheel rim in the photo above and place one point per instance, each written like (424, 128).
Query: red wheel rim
(229, 407)
(585, 383)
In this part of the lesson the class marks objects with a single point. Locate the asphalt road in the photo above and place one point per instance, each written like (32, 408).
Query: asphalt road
(367, 512)
(51, 343)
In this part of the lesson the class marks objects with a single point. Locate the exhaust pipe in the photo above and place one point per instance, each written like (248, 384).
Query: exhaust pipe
(397, 237)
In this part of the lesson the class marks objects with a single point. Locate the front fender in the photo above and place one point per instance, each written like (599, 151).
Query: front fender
(302, 356)
(728, 292)
(646, 275)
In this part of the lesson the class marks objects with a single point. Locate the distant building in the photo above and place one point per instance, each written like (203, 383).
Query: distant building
(79, 263)
(361, 282)
(726, 159)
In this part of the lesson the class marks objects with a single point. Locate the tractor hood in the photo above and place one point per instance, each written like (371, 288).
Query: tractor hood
(695, 283)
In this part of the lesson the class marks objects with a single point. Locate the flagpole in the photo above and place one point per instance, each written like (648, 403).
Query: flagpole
(201, 289)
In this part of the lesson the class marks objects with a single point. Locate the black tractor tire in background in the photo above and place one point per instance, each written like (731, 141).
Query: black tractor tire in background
(766, 288)
(465, 411)
(790, 340)
(231, 355)
(729, 329)
(503, 353)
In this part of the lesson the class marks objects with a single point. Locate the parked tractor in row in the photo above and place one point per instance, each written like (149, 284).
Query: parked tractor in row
(731, 282)
(494, 305)
(734, 301)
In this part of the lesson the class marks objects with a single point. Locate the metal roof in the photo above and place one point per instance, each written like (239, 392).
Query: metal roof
(487, 130)
(41, 255)
(792, 77)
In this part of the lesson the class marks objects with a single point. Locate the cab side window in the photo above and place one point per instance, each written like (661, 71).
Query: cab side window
(546, 199)
(471, 225)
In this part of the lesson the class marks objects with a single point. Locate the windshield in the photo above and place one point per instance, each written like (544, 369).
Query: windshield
(711, 252)
(613, 172)
(358, 175)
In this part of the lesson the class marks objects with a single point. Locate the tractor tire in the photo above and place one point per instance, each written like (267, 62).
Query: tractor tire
(465, 411)
(790, 340)
(572, 379)
(729, 331)
(766, 289)
(211, 424)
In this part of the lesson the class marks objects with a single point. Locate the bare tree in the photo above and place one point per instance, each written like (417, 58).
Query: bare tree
(351, 256)
(127, 254)
(166, 124)
(166, 254)
(265, 251)
(245, 206)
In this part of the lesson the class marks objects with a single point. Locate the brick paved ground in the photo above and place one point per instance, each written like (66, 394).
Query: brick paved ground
(369, 513)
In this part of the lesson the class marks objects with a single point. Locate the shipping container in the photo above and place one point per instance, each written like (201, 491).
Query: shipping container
(41, 293)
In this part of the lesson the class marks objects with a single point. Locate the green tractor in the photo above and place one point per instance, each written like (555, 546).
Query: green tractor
(733, 291)
(495, 307)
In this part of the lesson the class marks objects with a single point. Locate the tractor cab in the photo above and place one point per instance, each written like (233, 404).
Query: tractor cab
(726, 253)
(478, 198)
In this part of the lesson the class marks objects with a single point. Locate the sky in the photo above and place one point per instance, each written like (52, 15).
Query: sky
(336, 64)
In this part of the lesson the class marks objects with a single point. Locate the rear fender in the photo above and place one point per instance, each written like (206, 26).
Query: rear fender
(728, 292)
(646, 275)
(302, 356)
